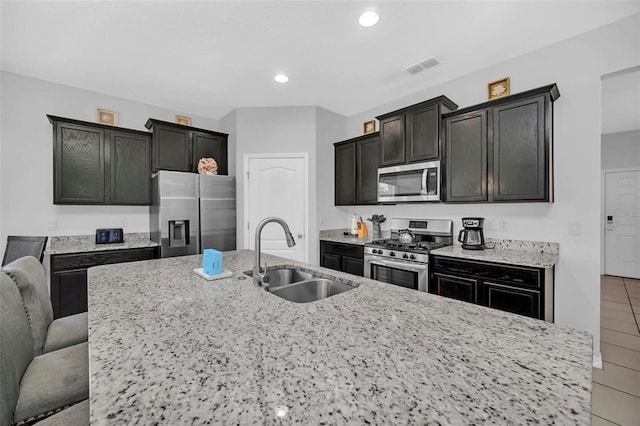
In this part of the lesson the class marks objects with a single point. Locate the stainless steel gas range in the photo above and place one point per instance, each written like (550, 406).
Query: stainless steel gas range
(403, 259)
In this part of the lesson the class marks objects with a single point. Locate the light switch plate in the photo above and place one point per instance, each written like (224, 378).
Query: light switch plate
(575, 228)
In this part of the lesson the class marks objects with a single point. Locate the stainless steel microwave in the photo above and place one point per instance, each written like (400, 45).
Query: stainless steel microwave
(409, 183)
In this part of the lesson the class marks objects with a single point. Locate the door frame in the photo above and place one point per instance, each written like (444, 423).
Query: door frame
(603, 210)
(305, 156)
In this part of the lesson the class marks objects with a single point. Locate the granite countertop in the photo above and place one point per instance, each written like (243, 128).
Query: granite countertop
(87, 243)
(169, 347)
(337, 236)
(522, 253)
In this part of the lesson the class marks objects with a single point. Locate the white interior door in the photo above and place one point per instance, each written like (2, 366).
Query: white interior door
(277, 186)
(622, 224)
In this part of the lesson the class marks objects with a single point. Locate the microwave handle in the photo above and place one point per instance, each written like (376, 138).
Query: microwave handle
(425, 174)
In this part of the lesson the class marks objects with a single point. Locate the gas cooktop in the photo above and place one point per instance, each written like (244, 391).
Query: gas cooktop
(416, 247)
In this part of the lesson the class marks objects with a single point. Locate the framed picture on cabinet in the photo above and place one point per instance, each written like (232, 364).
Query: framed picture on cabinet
(498, 89)
(185, 121)
(369, 127)
(107, 117)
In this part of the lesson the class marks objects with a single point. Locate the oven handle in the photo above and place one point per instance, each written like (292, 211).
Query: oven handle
(403, 265)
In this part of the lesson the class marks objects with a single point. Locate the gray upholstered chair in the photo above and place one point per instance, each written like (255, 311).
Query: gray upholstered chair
(76, 415)
(19, 246)
(48, 335)
(35, 388)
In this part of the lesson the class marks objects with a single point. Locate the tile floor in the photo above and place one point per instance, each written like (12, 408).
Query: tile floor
(616, 388)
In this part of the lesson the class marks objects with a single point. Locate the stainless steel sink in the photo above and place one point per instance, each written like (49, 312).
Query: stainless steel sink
(310, 290)
(284, 276)
(299, 286)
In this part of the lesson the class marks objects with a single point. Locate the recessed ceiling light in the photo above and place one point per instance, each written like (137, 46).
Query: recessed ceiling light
(368, 18)
(281, 78)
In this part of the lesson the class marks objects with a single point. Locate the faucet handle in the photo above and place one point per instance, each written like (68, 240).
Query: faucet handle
(266, 278)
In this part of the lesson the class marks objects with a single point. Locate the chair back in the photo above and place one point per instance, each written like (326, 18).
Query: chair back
(18, 246)
(28, 274)
(16, 346)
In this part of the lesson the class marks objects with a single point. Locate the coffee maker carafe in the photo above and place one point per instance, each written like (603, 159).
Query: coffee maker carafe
(471, 236)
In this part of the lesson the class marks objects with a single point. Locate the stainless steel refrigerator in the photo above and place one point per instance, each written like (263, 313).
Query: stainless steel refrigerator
(191, 212)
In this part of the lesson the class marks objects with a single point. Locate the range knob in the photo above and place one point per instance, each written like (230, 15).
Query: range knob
(392, 254)
(412, 256)
(378, 251)
(405, 256)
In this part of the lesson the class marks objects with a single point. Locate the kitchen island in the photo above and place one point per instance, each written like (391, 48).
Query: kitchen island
(169, 347)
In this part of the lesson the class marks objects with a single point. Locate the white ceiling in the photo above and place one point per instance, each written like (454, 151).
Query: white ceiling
(208, 57)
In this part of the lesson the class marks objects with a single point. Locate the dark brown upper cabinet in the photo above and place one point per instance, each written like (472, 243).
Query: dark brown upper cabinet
(412, 134)
(180, 148)
(502, 150)
(356, 170)
(99, 164)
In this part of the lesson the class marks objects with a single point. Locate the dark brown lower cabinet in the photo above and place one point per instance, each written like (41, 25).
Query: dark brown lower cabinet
(464, 289)
(511, 299)
(69, 275)
(517, 289)
(342, 257)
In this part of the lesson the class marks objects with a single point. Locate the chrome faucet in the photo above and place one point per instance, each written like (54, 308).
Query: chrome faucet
(258, 277)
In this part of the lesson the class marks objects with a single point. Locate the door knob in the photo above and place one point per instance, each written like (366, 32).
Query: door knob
(299, 235)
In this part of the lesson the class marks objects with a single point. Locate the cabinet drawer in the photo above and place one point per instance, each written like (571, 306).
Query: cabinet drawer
(514, 275)
(62, 262)
(351, 250)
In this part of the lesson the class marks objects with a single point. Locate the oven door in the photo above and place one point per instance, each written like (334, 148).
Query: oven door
(398, 272)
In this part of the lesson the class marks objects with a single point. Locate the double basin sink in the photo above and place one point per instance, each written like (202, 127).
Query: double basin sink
(300, 286)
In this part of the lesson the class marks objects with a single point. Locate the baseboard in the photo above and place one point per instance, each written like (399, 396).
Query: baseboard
(597, 361)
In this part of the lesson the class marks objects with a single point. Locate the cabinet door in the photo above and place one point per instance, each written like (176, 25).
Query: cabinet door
(466, 157)
(422, 138)
(519, 151)
(392, 141)
(79, 173)
(69, 292)
(345, 174)
(512, 299)
(464, 289)
(331, 261)
(171, 149)
(207, 145)
(130, 168)
(353, 265)
(367, 162)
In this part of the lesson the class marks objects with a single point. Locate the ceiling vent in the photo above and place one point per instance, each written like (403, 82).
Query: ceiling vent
(428, 63)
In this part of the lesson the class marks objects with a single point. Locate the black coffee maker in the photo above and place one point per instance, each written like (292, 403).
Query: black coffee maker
(471, 236)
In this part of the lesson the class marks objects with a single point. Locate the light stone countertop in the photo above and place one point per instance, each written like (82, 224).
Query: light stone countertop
(167, 346)
(87, 243)
(337, 236)
(501, 255)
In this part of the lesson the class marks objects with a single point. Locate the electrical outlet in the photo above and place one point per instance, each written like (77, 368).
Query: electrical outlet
(575, 228)
(502, 226)
(124, 222)
(52, 225)
(490, 225)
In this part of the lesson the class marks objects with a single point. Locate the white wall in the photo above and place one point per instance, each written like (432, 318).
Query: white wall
(26, 175)
(621, 150)
(576, 65)
(277, 130)
(331, 128)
